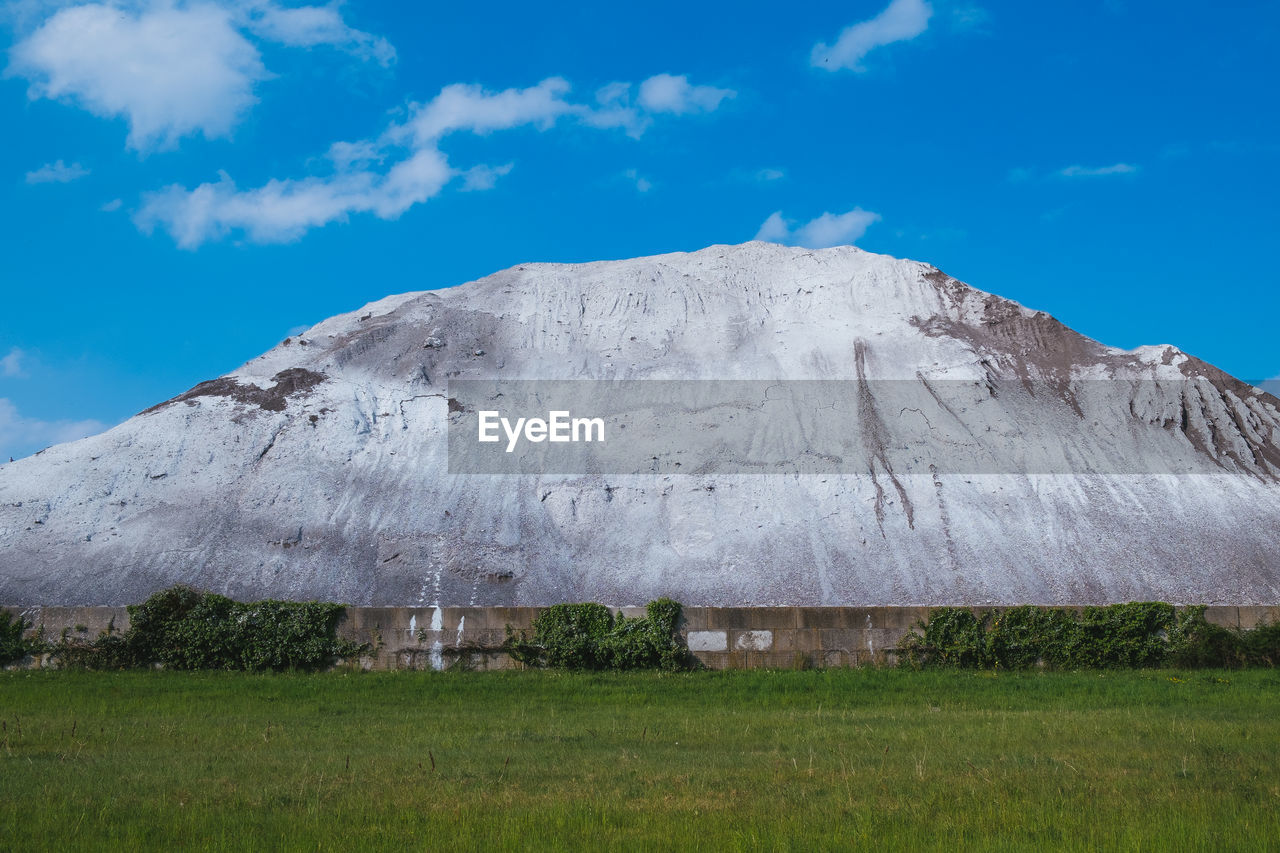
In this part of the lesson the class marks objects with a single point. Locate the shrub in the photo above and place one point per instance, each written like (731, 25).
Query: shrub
(648, 642)
(1197, 642)
(289, 635)
(587, 636)
(1027, 636)
(953, 636)
(183, 628)
(1262, 645)
(573, 635)
(1122, 635)
(12, 645)
(1137, 634)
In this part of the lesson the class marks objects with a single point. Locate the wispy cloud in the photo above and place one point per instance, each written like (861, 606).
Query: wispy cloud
(1097, 171)
(484, 177)
(56, 172)
(670, 93)
(390, 173)
(770, 175)
(829, 229)
(1023, 174)
(111, 206)
(970, 19)
(642, 184)
(315, 26)
(901, 20)
(11, 364)
(171, 70)
(20, 435)
(472, 108)
(283, 210)
(633, 108)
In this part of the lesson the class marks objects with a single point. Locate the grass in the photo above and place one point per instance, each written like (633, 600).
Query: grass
(546, 760)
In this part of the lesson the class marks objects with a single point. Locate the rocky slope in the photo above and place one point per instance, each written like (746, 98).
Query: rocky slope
(320, 469)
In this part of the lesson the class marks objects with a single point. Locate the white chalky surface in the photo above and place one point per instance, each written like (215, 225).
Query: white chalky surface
(334, 485)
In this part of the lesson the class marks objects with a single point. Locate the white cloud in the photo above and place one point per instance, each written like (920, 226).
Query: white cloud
(770, 175)
(172, 70)
(829, 229)
(464, 106)
(614, 109)
(361, 181)
(11, 364)
(1094, 172)
(312, 26)
(484, 177)
(661, 94)
(472, 108)
(283, 210)
(642, 184)
(56, 172)
(774, 229)
(346, 155)
(902, 20)
(667, 93)
(20, 435)
(1022, 174)
(168, 71)
(112, 206)
(970, 19)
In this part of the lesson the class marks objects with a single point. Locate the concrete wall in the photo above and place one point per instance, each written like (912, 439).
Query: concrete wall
(721, 637)
(84, 623)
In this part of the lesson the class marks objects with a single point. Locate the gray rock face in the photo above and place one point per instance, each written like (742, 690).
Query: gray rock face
(321, 469)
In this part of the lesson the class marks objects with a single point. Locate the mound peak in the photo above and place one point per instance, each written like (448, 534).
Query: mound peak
(321, 468)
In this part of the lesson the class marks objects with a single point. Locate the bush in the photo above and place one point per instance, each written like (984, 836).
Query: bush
(649, 642)
(1262, 645)
(12, 645)
(1123, 635)
(1196, 642)
(1137, 634)
(573, 636)
(183, 628)
(587, 636)
(1029, 636)
(953, 636)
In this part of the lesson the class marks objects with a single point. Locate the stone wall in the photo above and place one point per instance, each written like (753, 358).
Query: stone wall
(720, 637)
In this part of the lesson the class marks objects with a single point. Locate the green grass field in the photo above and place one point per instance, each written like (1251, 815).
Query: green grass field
(546, 760)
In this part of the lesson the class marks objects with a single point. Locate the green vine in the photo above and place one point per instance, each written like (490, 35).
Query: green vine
(1137, 634)
(589, 636)
(12, 645)
(183, 628)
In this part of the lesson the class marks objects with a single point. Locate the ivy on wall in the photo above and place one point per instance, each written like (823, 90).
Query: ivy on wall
(1137, 634)
(183, 628)
(589, 636)
(12, 645)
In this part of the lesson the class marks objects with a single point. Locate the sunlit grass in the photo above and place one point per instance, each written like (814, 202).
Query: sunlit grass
(545, 760)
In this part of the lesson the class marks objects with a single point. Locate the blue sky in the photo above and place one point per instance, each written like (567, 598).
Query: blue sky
(186, 183)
